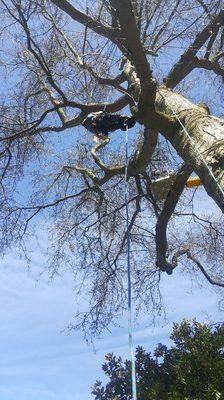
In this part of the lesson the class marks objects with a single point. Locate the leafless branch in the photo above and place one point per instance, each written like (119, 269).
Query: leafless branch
(186, 62)
(165, 215)
(199, 265)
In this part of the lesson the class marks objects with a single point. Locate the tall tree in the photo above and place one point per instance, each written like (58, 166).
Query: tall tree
(62, 61)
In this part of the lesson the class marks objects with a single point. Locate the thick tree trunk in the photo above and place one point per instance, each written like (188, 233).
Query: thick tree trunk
(206, 146)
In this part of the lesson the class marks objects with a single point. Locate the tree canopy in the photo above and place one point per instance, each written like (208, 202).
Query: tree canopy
(192, 369)
(162, 62)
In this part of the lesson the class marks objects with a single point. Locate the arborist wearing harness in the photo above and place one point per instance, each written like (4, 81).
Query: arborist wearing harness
(101, 123)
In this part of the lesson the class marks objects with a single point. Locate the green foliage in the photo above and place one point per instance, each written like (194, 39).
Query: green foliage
(192, 369)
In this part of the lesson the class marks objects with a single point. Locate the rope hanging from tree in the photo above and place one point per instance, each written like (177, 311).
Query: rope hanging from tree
(100, 124)
(131, 346)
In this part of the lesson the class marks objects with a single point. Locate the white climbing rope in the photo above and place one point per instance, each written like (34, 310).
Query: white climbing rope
(131, 346)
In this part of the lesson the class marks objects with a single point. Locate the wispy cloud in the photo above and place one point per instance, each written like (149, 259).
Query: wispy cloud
(39, 360)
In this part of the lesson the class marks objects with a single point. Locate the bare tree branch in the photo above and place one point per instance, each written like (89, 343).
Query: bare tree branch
(202, 269)
(186, 62)
(61, 73)
(86, 20)
(165, 215)
(199, 265)
(210, 65)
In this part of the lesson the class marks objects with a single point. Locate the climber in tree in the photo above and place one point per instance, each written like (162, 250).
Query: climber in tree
(101, 123)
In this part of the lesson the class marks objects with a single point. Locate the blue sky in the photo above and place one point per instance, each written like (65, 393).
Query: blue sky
(39, 359)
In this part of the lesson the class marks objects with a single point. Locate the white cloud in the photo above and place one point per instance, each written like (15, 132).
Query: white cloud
(38, 360)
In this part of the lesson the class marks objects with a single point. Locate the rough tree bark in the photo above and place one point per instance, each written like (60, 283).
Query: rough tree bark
(207, 140)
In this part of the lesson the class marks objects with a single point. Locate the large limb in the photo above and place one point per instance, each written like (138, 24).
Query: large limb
(137, 57)
(86, 20)
(112, 33)
(165, 215)
(132, 40)
(136, 54)
(186, 62)
(142, 156)
(200, 142)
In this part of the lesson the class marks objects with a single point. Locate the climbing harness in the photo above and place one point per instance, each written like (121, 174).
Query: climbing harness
(131, 347)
